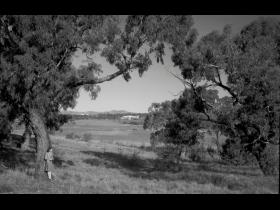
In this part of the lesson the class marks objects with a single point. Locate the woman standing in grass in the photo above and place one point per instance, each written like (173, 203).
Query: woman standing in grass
(48, 163)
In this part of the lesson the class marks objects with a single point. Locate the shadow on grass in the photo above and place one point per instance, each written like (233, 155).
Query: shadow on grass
(60, 163)
(142, 147)
(201, 173)
(114, 160)
(13, 158)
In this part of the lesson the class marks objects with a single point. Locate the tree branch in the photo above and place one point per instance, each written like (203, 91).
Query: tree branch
(220, 83)
(94, 81)
(219, 76)
(62, 58)
(184, 82)
(191, 85)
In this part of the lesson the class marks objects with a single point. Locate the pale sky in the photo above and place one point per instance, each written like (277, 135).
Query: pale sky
(156, 85)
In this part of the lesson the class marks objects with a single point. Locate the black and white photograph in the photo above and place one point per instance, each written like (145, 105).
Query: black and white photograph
(139, 104)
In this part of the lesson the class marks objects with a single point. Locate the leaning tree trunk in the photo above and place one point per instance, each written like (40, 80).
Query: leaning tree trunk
(42, 140)
(26, 137)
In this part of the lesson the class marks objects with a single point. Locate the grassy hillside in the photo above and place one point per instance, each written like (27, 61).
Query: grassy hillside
(117, 160)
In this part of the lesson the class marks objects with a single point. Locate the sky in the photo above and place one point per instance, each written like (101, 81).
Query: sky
(156, 85)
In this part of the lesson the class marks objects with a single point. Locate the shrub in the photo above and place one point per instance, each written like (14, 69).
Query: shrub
(168, 152)
(169, 157)
(234, 153)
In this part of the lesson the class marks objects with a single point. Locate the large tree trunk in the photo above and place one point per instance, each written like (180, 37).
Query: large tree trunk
(26, 137)
(42, 140)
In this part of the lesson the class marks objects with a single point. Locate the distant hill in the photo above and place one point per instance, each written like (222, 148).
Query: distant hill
(117, 112)
(112, 115)
(73, 113)
(96, 113)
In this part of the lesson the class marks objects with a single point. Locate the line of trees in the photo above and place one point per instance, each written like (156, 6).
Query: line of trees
(109, 116)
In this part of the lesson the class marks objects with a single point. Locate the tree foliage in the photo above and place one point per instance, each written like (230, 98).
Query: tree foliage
(246, 67)
(37, 51)
(36, 76)
(5, 121)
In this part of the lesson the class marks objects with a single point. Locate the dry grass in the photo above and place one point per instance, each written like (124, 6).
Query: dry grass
(14, 181)
(128, 167)
(106, 130)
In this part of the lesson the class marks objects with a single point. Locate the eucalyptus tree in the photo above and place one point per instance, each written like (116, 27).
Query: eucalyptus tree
(246, 66)
(36, 73)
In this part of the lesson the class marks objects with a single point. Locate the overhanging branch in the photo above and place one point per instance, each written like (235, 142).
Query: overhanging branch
(94, 81)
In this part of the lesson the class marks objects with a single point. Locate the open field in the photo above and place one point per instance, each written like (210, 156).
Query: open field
(107, 131)
(117, 159)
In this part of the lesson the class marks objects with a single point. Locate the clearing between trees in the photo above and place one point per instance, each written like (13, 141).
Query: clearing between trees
(119, 159)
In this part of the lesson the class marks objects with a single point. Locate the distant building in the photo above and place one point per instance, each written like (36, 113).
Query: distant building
(130, 117)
